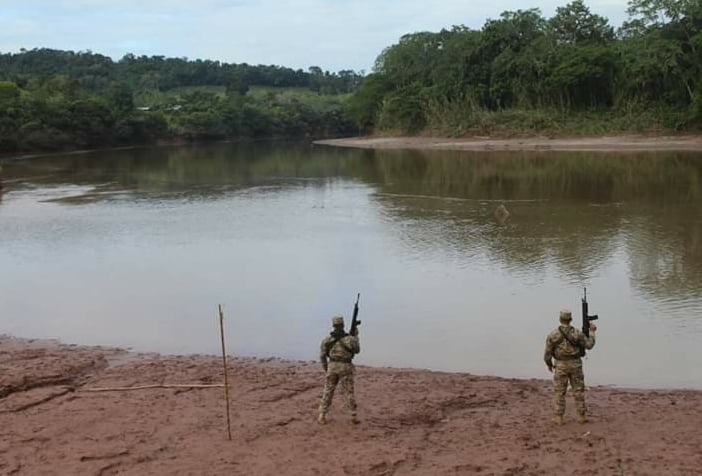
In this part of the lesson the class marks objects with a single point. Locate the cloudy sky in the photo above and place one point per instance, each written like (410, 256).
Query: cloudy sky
(333, 34)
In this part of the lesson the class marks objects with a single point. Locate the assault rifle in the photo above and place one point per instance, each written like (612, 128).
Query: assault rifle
(586, 317)
(354, 320)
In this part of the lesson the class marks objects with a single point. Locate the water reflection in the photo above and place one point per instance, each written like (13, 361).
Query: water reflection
(416, 231)
(574, 210)
(194, 172)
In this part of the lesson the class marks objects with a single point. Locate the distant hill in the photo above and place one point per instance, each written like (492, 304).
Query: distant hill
(96, 72)
(57, 100)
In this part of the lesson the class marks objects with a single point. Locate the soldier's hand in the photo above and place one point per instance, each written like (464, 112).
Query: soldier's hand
(593, 327)
(550, 368)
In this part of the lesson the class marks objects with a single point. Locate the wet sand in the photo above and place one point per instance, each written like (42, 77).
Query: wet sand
(414, 422)
(619, 143)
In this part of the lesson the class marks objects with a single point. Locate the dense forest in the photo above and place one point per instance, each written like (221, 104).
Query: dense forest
(523, 73)
(53, 100)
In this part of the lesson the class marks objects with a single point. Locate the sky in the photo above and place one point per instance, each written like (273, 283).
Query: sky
(332, 34)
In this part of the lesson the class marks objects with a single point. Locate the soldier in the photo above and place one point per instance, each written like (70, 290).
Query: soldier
(567, 345)
(336, 354)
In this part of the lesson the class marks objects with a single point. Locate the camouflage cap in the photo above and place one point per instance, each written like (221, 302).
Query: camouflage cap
(338, 321)
(566, 316)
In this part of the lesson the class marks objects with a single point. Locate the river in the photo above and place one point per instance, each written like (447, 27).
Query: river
(136, 248)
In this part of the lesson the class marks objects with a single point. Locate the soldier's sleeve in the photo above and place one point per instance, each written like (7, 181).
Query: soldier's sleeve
(548, 351)
(323, 351)
(589, 341)
(355, 344)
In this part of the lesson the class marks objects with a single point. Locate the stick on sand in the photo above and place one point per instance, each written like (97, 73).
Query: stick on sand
(224, 363)
(145, 387)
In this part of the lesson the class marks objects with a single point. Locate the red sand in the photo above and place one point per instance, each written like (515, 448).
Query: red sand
(415, 422)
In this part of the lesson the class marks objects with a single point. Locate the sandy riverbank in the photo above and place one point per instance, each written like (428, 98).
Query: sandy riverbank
(621, 143)
(415, 422)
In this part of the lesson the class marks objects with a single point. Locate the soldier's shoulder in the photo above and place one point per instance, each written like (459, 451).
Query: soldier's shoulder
(554, 334)
(350, 338)
(326, 339)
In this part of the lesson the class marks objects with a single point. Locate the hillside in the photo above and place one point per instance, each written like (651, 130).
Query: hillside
(57, 100)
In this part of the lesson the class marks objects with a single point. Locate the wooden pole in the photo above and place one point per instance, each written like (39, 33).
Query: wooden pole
(145, 387)
(224, 363)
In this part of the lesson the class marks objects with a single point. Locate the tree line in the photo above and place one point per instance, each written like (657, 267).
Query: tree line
(573, 72)
(521, 73)
(54, 100)
(96, 73)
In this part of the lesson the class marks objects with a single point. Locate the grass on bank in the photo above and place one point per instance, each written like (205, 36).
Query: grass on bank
(554, 123)
(456, 119)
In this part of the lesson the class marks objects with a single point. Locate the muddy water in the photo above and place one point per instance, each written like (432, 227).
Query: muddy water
(137, 247)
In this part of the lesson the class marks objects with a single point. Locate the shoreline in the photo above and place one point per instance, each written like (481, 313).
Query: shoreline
(605, 143)
(413, 421)
(36, 155)
(160, 144)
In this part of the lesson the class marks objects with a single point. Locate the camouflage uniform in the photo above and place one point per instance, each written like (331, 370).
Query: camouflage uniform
(569, 365)
(336, 354)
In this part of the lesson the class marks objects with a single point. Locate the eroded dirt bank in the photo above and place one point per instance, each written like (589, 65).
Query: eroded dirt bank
(415, 422)
(620, 143)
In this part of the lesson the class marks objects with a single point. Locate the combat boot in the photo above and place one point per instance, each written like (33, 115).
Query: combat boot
(322, 419)
(355, 419)
(558, 420)
(582, 419)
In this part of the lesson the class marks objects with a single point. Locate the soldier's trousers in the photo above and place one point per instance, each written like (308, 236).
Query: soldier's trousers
(338, 373)
(569, 371)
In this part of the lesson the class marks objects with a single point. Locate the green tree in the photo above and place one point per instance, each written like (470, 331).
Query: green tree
(660, 12)
(584, 76)
(674, 26)
(363, 107)
(411, 60)
(91, 121)
(239, 82)
(503, 42)
(404, 109)
(575, 24)
(9, 115)
(120, 99)
(9, 94)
